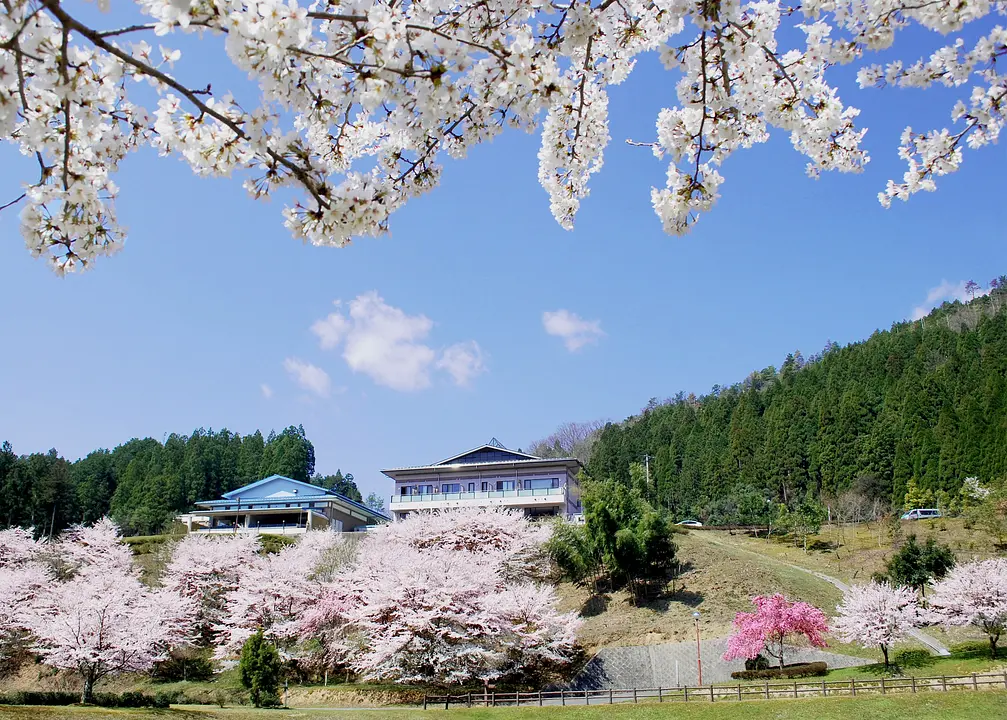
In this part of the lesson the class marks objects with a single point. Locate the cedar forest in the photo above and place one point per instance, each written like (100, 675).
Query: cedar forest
(917, 408)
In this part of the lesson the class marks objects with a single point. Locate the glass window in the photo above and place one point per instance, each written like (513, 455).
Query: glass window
(485, 486)
(541, 483)
(505, 485)
(472, 487)
(451, 487)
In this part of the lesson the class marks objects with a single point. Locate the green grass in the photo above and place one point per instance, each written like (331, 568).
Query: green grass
(929, 706)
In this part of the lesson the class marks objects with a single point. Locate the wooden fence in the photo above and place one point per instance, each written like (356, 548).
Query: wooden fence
(717, 693)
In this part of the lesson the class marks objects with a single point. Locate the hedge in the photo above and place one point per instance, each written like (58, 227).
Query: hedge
(110, 700)
(798, 670)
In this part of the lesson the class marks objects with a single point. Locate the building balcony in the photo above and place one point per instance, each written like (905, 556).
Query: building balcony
(552, 497)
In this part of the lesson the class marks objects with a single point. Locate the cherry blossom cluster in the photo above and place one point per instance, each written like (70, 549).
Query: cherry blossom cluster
(81, 606)
(356, 103)
(876, 615)
(973, 594)
(766, 629)
(271, 592)
(434, 598)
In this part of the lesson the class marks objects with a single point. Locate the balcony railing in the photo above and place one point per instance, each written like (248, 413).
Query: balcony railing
(488, 495)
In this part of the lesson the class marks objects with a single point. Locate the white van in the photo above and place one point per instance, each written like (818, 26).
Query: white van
(922, 514)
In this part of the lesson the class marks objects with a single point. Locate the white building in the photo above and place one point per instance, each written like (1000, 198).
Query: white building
(489, 476)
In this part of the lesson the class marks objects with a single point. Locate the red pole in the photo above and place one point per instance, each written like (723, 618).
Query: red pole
(699, 656)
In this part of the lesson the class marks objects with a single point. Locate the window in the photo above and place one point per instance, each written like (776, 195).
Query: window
(425, 489)
(451, 488)
(505, 485)
(485, 486)
(541, 483)
(472, 487)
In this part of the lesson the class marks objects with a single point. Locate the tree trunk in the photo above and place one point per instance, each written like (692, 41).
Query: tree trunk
(87, 694)
(884, 651)
(993, 646)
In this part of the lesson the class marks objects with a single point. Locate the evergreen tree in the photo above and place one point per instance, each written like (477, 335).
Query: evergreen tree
(259, 667)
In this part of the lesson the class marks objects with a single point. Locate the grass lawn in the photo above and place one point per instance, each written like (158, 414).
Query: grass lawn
(927, 706)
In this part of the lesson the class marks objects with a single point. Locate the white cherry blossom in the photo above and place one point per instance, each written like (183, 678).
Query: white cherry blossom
(355, 103)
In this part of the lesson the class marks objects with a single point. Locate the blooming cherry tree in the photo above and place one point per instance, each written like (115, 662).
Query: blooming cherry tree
(206, 568)
(22, 577)
(444, 597)
(357, 102)
(102, 620)
(767, 628)
(974, 594)
(876, 614)
(272, 593)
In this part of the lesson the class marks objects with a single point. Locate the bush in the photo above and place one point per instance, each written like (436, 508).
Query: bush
(260, 670)
(759, 662)
(798, 670)
(129, 699)
(31, 697)
(183, 666)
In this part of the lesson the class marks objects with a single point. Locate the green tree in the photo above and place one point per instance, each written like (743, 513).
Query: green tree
(375, 502)
(915, 496)
(290, 454)
(916, 565)
(260, 668)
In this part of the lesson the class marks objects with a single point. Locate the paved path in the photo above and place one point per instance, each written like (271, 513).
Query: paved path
(927, 640)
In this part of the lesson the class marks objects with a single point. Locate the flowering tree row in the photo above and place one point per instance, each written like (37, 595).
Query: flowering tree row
(358, 101)
(444, 597)
(879, 614)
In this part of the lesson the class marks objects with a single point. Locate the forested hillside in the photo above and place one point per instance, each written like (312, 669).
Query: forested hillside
(143, 483)
(926, 400)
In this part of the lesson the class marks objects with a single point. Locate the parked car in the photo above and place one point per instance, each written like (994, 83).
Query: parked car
(690, 523)
(922, 514)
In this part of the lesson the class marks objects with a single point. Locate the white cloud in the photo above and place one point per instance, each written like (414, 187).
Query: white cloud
(309, 377)
(945, 292)
(267, 392)
(575, 331)
(463, 361)
(388, 345)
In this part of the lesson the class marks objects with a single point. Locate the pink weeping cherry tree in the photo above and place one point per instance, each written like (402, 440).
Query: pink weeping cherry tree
(445, 597)
(876, 615)
(974, 595)
(98, 619)
(775, 619)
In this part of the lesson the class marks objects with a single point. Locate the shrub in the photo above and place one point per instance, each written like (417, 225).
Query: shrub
(759, 662)
(129, 699)
(798, 670)
(260, 670)
(30, 697)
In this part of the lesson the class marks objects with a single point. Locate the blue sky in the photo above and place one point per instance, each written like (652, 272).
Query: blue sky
(211, 300)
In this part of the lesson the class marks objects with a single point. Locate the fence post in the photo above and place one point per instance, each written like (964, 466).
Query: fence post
(882, 684)
(562, 698)
(795, 688)
(540, 698)
(634, 694)
(944, 682)
(687, 693)
(447, 700)
(610, 696)
(767, 689)
(587, 700)
(825, 690)
(739, 691)
(469, 700)
(914, 684)
(853, 687)
(711, 692)
(493, 698)
(1005, 679)
(975, 685)
(660, 697)
(424, 702)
